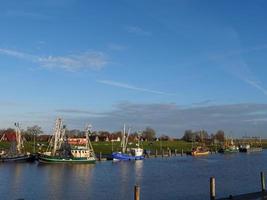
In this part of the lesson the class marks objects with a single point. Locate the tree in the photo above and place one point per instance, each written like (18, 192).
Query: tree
(31, 132)
(164, 138)
(149, 134)
(189, 136)
(219, 136)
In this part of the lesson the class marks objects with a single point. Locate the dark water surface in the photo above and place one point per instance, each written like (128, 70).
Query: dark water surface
(160, 178)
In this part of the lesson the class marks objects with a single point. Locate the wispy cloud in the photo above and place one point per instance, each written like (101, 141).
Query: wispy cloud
(131, 87)
(116, 47)
(234, 63)
(26, 14)
(256, 85)
(173, 120)
(79, 111)
(87, 60)
(138, 30)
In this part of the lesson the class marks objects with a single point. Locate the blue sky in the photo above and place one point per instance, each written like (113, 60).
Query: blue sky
(171, 65)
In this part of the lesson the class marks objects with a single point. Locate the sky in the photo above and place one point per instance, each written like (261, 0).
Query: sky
(171, 65)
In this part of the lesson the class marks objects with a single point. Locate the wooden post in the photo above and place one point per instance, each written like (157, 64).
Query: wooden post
(156, 153)
(182, 152)
(136, 192)
(175, 152)
(100, 156)
(262, 182)
(162, 153)
(212, 188)
(170, 153)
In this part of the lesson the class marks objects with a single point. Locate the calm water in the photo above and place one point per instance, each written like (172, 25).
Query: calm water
(160, 178)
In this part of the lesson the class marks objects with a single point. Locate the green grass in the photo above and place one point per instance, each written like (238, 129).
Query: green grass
(108, 147)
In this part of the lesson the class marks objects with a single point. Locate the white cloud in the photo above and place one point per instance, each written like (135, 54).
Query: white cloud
(131, 87)
(87, 60)
(116, 47)
(137, 30)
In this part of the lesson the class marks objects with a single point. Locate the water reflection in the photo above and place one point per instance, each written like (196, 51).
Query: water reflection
(66, 179)
(173, 178)
(139, 171)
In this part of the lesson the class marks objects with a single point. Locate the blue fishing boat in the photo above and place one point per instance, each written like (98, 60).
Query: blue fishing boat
(123, 156)
(133, 154)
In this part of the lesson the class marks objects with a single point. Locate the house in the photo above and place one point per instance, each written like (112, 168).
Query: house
(103, 138)
(114, 138)
(94, 138)
(8, 136)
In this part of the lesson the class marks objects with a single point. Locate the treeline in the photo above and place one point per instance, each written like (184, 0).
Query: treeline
(203, 136)
(29, 133)
(148, 134)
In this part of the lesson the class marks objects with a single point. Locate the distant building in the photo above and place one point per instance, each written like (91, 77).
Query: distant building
(94, 138)
(8, 137)
(114, 138)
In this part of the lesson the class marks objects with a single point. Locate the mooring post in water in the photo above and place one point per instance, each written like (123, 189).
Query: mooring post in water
(182, 152)
(170, 153)
(100, 156)
(156, 153)
(175, 152)
(212, 188)
(262, 182)
(136, 192)
(162, 153)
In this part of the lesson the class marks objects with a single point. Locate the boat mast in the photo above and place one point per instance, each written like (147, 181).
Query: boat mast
(18, 137)
(59, 134)
(123, 140)
(88, 131)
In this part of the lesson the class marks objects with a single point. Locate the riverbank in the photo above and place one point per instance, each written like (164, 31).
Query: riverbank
(109, 147)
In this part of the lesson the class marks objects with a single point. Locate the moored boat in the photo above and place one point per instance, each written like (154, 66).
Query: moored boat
(16, 152)
(59, 151)
(248, 149)
(134, 153)
(229, 147)
(199, 151)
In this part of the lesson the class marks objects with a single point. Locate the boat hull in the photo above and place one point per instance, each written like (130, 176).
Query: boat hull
(250, 150)
(200, 153)
(52, 159)
(228, 151)
(121, 156)
(19, 158)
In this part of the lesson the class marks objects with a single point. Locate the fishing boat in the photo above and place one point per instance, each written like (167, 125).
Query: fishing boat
(134, 153)
(251, 147)
(199, 151)
(16, 152)
(229, 147)
(248, 149)
(59, 151)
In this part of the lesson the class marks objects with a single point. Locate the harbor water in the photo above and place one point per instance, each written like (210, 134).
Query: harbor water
(159, 178)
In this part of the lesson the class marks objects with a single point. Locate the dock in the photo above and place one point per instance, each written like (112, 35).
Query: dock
(261, 195)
